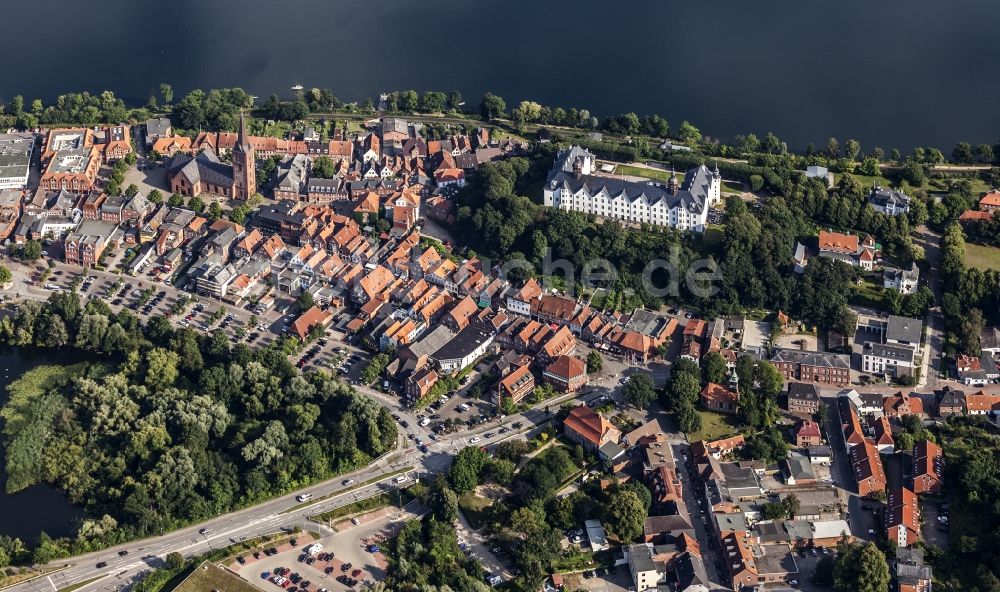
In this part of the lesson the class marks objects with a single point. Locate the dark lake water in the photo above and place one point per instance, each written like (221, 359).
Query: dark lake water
(892, 73)
(39, 508)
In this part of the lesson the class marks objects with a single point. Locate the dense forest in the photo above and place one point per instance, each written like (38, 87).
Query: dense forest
(972, 296)
(173, 427)
(972, 472)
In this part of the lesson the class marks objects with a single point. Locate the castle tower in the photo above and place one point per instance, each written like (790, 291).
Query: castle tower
(715, 189)
(244, 166)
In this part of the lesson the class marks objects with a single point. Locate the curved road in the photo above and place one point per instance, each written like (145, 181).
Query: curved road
(276, 514)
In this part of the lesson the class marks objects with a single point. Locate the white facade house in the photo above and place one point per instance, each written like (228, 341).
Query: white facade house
(646, 573)
(889, 201)
(15, 160)
(573, 186)
(888, 359)
(904, 280)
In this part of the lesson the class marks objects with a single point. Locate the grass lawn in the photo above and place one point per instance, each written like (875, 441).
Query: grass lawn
(714, 235)
(364, 506)
(631, 171)
(474, 507)
(714, 426)
(79, 585)
(867, 294)
(982, 257)
(732, 187)
(209, 576)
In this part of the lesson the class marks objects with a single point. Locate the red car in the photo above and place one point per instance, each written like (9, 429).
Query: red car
(356, 573)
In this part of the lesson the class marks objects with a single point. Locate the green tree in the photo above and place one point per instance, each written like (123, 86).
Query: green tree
(594, 362)
(196, 204)
(408, 101)
(639, 391)
(305, 300)
(323, 167)
(155, 197)
(860, 568)
(239, 214)
(174, 561)
(625, 515)
(689, 419)
(432, 101)
(689, 133)
(770, 379)
(914, 173)
(167, 92)
(5, 275)
(492, 107)
(31, 250)
(161, 368)
(214, 211)
(714, 368)
(465, 471)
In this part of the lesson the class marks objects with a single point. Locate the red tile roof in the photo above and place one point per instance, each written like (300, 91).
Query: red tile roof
(840, 243)
(588, 424)
(567, 368)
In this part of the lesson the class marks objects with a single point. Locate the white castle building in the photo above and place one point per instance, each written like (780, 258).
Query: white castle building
(573, 186)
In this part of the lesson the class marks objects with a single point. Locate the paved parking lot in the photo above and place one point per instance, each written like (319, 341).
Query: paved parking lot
(934, 532)
(619, 581)
(347, 547)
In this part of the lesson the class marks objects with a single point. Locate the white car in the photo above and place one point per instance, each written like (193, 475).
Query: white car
(475, 439)
(400, 479)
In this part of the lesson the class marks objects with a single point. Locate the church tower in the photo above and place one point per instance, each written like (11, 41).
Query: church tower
(244, 167)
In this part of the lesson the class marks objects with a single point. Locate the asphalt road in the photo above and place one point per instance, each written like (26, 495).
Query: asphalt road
(276, 514)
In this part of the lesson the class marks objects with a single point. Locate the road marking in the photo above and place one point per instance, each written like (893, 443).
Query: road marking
(54, 589)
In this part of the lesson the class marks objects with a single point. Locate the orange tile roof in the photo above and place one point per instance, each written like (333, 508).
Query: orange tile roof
(561, 343)
(969, 215)
(719, 393)
(926, 457)
(982, 402)
(588, 424)
(311, 317)
(902, 510)
(991, 199)
(808, 429)
(835, 241)
(567, 368)
(510, 383)
(529, 291)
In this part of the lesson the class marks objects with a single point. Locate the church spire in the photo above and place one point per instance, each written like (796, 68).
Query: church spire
(241, 141)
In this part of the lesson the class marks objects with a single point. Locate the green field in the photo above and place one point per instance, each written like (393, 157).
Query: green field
(474, 507)
(732, 187)
(208, 577)
(982, 257)
(632, 171)
(714, 426)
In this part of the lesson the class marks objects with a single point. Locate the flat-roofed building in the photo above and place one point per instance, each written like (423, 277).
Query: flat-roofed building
(71, 170)
(16, 151)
